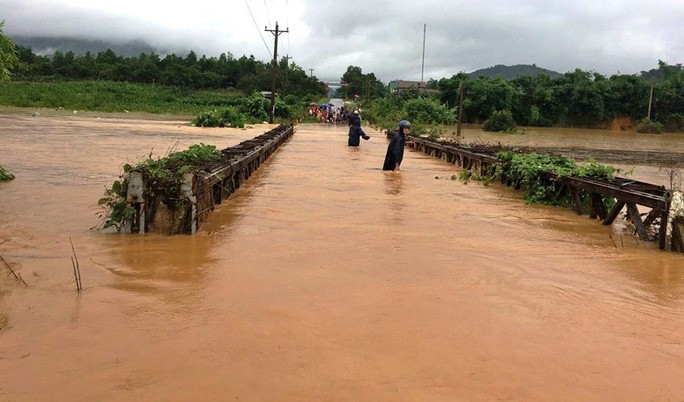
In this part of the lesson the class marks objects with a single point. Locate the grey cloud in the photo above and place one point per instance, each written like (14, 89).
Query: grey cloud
(386, 37)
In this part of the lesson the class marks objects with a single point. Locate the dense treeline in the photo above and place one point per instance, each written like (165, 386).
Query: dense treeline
(190, 72)
(575, 99)
(579, 98)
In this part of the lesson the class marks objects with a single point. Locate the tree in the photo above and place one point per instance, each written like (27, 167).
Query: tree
(8, 55)
(626, 95)
(449, 88)
(365, 85)
(535, 103)
(668, 107)
(486, 96)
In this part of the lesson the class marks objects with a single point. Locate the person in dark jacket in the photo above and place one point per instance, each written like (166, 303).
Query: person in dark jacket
(395, 149)
(355, 131)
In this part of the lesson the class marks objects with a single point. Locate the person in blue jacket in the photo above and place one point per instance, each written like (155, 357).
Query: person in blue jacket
(355, 131)
(395, 149)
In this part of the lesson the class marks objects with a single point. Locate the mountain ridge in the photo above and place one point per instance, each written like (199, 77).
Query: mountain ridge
(44, 45)
(513, 72)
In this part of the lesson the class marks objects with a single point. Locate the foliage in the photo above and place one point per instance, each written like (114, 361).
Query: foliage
(538, 174)
(674, 122)
(427, 110)
(434, 133)
(355, 82)
(649, 126)
(5, 175)
(8, 55)
(501, 120)
(228, 117)
(485, 96)
(109, 96)
(385, 112)
(190, 72)
(162, 178)
(578, 98)
(255, 109)
(116, 211)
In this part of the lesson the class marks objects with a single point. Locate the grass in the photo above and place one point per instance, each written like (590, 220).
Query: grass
(109, 96)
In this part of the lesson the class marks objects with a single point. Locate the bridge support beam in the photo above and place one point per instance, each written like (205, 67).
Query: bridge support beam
(674, 230)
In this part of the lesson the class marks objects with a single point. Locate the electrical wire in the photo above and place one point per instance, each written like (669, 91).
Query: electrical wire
(268, 16)
(287, 20)
(259, 30)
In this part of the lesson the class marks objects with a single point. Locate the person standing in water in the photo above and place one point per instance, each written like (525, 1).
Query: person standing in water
(395, 149)
(355, 131)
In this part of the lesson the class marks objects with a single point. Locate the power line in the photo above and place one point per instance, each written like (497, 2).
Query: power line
(268, 16)
(257, 27)
(287, 17)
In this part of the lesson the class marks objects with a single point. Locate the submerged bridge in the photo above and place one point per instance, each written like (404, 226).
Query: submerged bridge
(664, 223)
(200, 191)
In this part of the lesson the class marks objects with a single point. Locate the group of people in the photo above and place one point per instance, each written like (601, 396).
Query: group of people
(395, 149)
(327, 113)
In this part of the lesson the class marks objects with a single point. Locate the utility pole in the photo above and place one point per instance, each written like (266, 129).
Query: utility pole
(311, 70)
(287, 67)
(460, 112)
(274, 66)
(422, 69)
(650, 102)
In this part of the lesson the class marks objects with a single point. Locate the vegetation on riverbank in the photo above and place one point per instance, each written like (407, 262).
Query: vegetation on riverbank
(110, 96)
(207, 87)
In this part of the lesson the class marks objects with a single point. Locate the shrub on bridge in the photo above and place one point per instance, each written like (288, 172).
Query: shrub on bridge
(5, 175)
(530, 171)
(162, 177)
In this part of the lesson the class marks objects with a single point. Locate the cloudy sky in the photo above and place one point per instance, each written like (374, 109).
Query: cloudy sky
(380, 36)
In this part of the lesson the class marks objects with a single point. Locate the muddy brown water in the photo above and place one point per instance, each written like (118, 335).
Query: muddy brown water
(322, 278)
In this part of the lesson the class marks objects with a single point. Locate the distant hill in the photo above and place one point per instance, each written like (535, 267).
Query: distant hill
(47, 46)
(512, 72)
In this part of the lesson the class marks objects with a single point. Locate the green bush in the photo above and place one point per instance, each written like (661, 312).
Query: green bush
(530, 171)
(674, 123)
(5, 175)
(163, 178)
(501, 120)
(536, 119)
(428, 111)
(385, 113)
(256, 107)
(649, 126)
(434, 132)
(283, 110)
(228, 117)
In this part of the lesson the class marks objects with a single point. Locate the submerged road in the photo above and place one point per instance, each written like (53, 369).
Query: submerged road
(322, 278)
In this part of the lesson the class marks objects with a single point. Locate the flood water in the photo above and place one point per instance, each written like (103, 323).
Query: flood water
(322, 278)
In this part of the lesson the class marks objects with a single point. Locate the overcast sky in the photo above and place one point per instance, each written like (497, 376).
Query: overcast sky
(380, 36)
